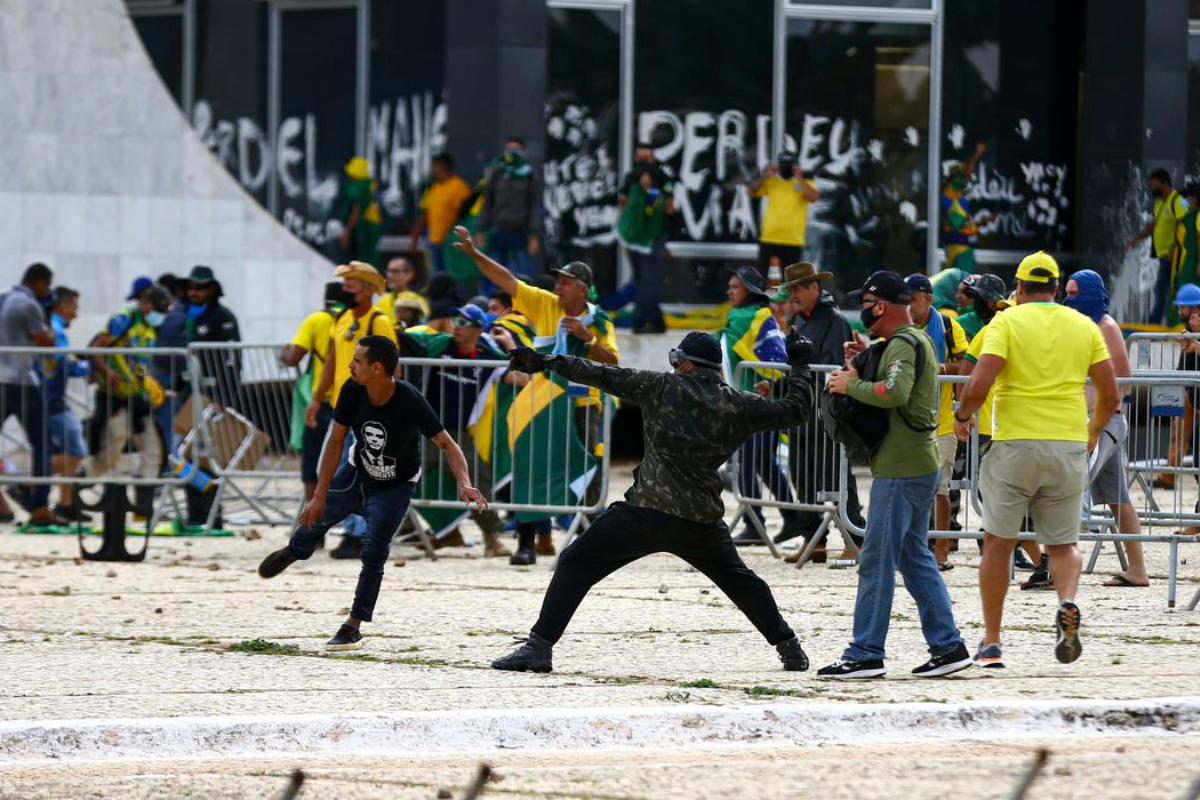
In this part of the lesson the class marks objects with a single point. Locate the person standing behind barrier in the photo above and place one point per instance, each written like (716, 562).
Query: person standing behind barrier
(23, 324)
(960, 227)
(1106, 470)
(814, 460)
(314, 339)
(399, 277)
(692, 422)
(360, 282)
(1187, 300)
(387, 416)
(209, 321)
(751, 334)
(512, 209)
(66, 431)
(127, 394)
(950, 344)
(441, 204)
(1039, 356)
(785, 216)
(171, 371)
(905, 473)
(565, 322)
(1166, 239)
(645, 201)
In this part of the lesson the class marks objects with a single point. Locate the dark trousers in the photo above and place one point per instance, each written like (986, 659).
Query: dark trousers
(758, 463)
(312, 442)
(1162, 288)
(384, 509)
(786, 253)
(625, 533)
(648, 273)
(26, 404)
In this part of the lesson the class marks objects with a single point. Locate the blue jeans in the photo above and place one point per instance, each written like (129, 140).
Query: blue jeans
(1162, 288)
(438, 255)
(384, 509)
(355, 526)
(758, 462)
(897, 538)
(26, 404)
(508, 247)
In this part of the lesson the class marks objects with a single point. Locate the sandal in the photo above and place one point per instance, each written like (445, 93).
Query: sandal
(1121, 580)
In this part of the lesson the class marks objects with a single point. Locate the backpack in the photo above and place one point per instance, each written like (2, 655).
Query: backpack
(859, 427)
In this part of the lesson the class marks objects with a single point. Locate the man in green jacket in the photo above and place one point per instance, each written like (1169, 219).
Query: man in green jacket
(905, 470)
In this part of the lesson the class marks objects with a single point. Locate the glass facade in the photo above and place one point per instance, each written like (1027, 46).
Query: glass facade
(855, 108)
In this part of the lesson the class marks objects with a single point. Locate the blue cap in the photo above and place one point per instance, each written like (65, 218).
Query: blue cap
(1188, 295)
(918, 283)
(140, 284)
(475, 314)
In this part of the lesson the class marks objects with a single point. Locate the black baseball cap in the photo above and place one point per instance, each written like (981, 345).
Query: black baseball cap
(577, 270)
(919, 283)
(885, 285)
(702, 349)
(751, 278)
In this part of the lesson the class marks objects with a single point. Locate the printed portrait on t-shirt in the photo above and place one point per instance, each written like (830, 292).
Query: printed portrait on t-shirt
(378, 466)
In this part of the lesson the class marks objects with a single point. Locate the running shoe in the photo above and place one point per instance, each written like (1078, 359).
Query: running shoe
(939, 666)
(989, 656)
(846, 670)
(1067, 620)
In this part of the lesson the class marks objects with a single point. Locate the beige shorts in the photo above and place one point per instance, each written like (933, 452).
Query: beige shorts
(947, 447)
(1045, 479)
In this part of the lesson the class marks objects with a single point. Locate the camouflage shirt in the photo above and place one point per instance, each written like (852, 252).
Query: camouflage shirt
(692, 424)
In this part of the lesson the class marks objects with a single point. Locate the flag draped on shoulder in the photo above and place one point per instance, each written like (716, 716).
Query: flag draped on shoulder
(751, 334)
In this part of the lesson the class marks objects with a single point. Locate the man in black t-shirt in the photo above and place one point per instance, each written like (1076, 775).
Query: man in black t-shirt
(388, 418)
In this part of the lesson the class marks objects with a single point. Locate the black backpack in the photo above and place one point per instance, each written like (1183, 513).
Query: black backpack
(859, 427)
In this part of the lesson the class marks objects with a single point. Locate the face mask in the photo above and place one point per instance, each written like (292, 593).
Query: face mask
(195, 312)
(958, 184)
(155, 318)
(868, 318)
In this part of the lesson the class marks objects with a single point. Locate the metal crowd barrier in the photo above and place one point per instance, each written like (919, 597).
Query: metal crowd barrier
(531, 449)
(1153, 400)
(93, 422)
(798, 471)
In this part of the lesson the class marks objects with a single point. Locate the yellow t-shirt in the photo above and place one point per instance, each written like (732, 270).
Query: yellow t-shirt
(313, 336)
(1048, 350)
(946, 396)
(387, 304)
(542, 310)
(985, 411)
(345, 337)
(1168, 230)
(786, 213)
(441, 203)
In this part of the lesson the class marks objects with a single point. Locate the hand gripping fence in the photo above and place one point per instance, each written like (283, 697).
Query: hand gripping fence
(767, 472)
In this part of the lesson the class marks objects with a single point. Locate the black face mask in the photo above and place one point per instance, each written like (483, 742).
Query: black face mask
(868, 319)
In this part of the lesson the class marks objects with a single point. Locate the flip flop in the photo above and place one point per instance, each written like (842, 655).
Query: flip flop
(1121, 580)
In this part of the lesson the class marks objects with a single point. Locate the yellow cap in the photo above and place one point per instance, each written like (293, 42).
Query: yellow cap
(358, 168)
(1038, 268)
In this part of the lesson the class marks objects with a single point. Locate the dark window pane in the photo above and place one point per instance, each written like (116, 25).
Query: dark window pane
(583, 115)
(702, 97)
(406, 119)
(316, 136)
(868, 3)
(162, 35)
(230, 110)
(857, 117)
(1012, 83)
(1192, 161)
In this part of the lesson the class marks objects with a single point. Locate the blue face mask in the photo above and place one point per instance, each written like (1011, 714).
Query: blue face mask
(155, 318)
(195, 312)
(1092, 300)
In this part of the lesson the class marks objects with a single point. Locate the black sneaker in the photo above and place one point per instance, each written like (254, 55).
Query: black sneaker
(1038, 579)
(1021, 561)
(275, 563)
(749, 537)
(536, 655)
(525, 555)
(792, 655)
(348, 638)
(1067, 620)
(956, 660)
(844, 670)
(348, 547)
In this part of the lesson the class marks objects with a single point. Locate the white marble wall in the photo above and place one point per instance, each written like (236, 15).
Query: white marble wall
(102, 179)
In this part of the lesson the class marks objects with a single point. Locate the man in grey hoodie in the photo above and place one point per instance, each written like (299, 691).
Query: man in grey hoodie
(511, 210)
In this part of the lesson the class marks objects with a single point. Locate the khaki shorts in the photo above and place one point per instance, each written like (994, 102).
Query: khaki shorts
(947, 447)
(1044, 479)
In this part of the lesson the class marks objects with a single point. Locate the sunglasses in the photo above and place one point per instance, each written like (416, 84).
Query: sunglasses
(463, 322)
(351, 331)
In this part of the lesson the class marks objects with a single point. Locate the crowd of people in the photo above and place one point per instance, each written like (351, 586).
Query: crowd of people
(137, 395)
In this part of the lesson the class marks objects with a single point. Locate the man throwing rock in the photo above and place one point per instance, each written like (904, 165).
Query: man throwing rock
(376, 481)
(692, 422)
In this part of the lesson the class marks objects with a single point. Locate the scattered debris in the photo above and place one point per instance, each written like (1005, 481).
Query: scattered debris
(662, 589)
(293, 787)
(253, 535)
(1031, 773)
(213, 567)
(112, 573)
